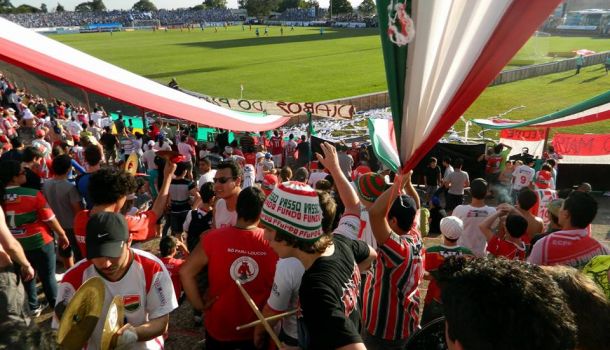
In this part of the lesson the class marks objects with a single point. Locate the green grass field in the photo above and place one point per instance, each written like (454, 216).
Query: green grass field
(305, 66)
(300, 66)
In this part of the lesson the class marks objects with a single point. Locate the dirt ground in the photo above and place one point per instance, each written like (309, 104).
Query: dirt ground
(183, 334)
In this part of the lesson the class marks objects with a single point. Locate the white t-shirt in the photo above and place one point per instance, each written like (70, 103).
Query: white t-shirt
(522, 177)
(285, 292)
(472, 237)
(146, 288)
(222, 216)
(185, 150)
(367, 234)
(315, 177)
(207, 177)
(149, 159)
(260, 173)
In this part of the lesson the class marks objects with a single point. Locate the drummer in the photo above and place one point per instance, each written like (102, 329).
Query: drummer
(138, 276)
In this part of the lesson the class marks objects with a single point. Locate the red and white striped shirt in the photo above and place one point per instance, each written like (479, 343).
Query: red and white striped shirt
(391, 296)
(569, 247)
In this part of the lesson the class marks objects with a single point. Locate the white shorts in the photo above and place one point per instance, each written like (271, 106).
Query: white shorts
(277, 160)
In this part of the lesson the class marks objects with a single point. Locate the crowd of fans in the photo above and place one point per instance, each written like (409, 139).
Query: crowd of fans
(126, 18)
(338, 247)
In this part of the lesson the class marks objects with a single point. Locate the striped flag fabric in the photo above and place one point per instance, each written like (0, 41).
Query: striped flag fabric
(440, 55)
(32, 51)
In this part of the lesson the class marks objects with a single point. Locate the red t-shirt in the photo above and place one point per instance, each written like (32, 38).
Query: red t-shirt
(141, 227)
(173, 267)
(434, 258)
(493, 164)
(250, 158)
(276, 145)
(501, 247)
(236, 254)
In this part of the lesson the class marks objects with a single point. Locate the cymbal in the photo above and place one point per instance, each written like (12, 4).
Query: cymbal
(114, 322)
(81, 315)
(131, 165)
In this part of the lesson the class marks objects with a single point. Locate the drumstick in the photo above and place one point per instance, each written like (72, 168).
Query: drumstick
(259, 315)
(272, 318)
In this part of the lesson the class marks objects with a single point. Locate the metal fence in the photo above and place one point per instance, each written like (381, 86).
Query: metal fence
(537, 70)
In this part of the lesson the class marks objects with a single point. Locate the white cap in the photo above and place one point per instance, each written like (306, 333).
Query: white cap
(452, 227)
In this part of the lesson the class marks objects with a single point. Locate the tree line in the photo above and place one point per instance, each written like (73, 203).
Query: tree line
(257, 8)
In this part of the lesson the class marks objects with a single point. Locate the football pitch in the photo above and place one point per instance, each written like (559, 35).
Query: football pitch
(303, 65)
(300, 65)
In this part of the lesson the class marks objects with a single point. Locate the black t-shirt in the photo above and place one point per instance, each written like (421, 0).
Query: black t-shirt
(303, 149)
(329, 297)
(432, 175)
(436, 214)
(109, 141)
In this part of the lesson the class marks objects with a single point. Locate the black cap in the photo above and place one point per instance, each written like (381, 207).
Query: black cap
(404, 209)
(107, 233)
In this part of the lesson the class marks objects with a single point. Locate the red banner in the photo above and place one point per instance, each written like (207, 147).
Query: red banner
(582, 145)
(523, 135)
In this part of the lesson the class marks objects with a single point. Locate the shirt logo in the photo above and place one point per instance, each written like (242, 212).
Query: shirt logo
(131, 302)
(244, 269)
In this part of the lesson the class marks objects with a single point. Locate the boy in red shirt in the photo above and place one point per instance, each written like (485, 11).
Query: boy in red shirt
(509, 246)
(168, 247)
(451, 228)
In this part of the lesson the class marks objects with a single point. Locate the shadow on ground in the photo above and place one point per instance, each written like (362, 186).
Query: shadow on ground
(273, 40)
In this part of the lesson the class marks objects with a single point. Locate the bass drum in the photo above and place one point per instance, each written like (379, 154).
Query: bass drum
(431, 337)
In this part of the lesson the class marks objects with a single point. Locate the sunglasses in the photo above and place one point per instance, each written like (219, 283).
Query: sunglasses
(223, 180)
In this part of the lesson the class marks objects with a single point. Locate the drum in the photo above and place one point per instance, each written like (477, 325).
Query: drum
(431, 337)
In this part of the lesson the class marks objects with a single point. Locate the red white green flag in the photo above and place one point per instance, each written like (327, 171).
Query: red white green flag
(440, 55)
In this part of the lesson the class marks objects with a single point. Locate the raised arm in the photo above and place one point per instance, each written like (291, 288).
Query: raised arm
(378, 212)
(161, 201)
(346, 191)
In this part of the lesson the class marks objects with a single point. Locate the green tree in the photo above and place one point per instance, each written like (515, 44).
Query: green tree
(367, 7)
(26, 9)
(198, 7)
(60, 8)
(43, 8)
(241, 4)
(144, 6)
(260, 8)
(6, 6)
(98, 5)
(83, 7)
(341, 7)
(311, 3)
(287, 4)
(215, 4)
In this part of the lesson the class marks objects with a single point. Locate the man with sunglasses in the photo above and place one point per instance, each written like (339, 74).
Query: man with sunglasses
(227, 185)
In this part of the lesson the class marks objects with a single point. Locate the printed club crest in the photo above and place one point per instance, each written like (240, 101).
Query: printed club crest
(244, 269)
(401, 29)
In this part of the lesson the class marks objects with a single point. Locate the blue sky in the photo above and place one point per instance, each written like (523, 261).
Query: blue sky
(126, 4)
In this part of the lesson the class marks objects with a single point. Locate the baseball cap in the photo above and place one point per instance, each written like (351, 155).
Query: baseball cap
(554, 206)
(260, 155)
(293, 208)
(452, 227)
(436, 201)
(107, 233)
(40, 133)
(267, 155)
(404, 210)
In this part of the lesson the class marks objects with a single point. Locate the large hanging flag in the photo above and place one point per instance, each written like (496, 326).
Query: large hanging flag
(441, 54)
(30, 50)
(592, 110)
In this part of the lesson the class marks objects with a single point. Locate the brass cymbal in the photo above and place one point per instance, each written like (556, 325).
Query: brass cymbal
(81, 315)
(113, 322)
